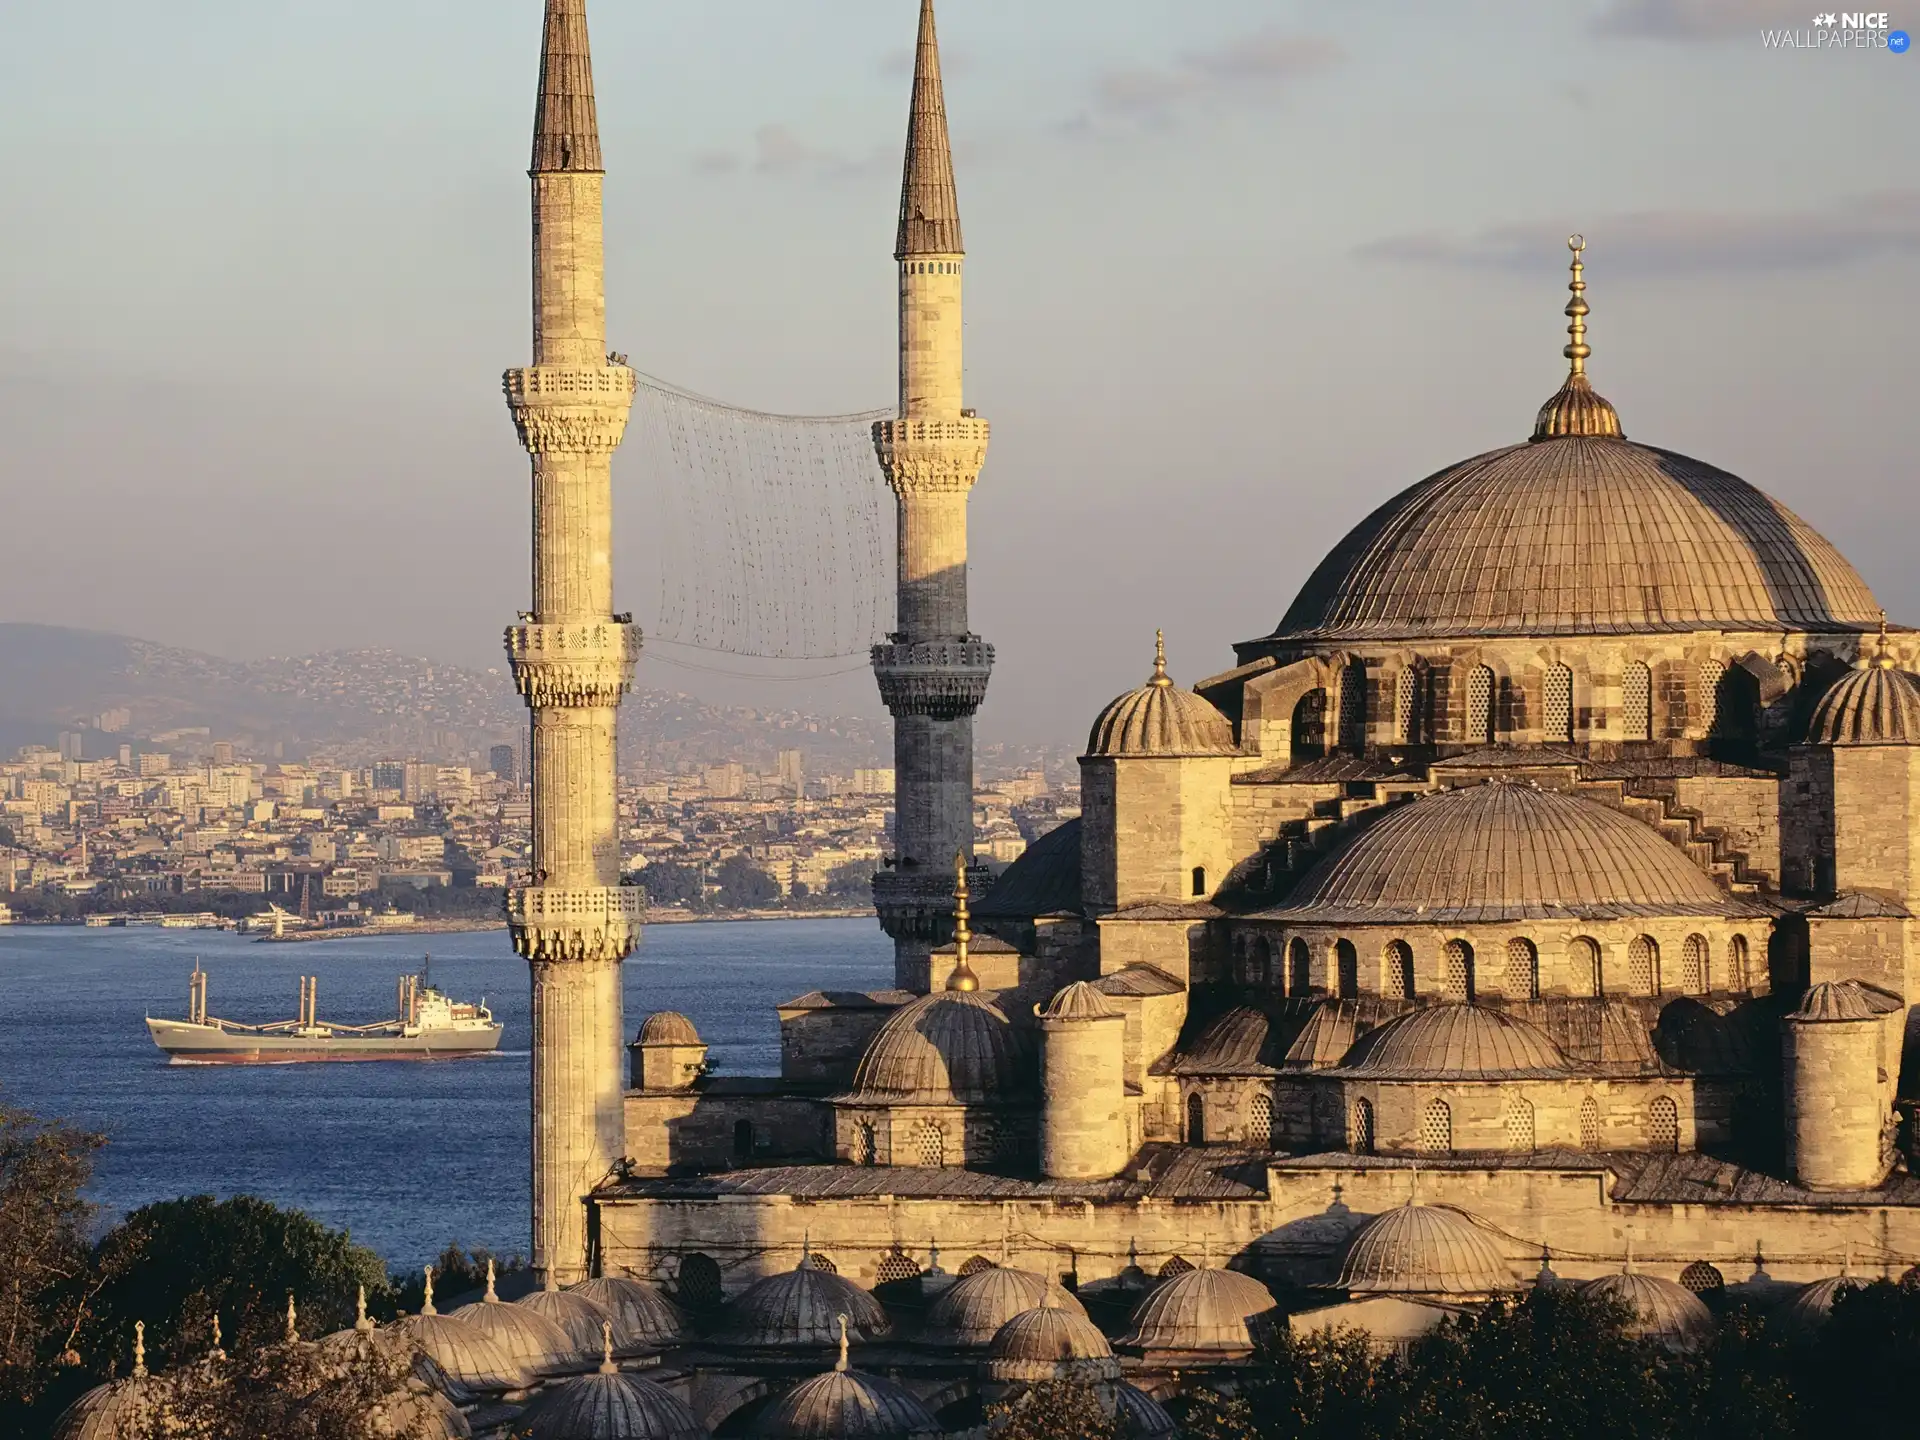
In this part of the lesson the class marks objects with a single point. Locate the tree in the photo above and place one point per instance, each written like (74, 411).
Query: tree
(853, 879)
(43, 1259)
(745, 886)
(670, 884)
(1053, 1410)
(178, 1264)
(456, 1272)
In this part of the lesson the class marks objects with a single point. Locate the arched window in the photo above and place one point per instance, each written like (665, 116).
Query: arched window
(742, 1140)
(697, 1286)
(1456, 971)
(1643, 966)
(1583, 967)
(1346, 968)
(1196, 1119)
(1199, 879)
(1353, 707)
(1310, 725)
(1396, 970)
(1260, 1122)
(1703, 1279)
(1663, 1125)
(1707, 696)
(1436, 1128)
(1299, 967)
(1557, 704)
(1360, 1127)
(1636, 703)
(974, 1264)
(1591, 1137)
(866, 1148)
(1480, 706)
(1523, 969)
(1694, 979)
(1407, 717)
(931, 1141)
(1519, 1119)
(1739, 964)
(896, 1266)
(1178, 1265)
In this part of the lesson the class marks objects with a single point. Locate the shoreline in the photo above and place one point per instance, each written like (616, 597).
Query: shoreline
(461, 927)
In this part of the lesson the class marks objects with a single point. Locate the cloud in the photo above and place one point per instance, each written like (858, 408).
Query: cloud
(1260, 65)
(778, 150)
(1682, 241)
(1690, 19)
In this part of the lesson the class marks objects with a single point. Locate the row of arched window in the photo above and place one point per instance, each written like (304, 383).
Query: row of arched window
(1587, 972)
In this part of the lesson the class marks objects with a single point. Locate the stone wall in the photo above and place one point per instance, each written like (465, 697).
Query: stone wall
(1084, 1134)
(822, 1045)
(701, 1129)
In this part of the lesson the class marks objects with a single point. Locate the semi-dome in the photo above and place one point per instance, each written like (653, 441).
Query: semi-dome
(610, 1405)
(1423, 1250)
(1160, 720)
(844, 1404)
(1874, 704)
(1455, 1041)
(1050, 1342)
(1813, 1305)
(953, 1046)
(972, 1310)
(578, 1316)
(802, 1307)
(1238, 1040)
(1661, 1310)
(1498, 852)
(643, 1318)
(1201, 1310)
(668, 1027)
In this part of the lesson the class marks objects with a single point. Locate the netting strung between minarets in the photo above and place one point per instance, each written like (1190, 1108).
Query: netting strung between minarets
(774, 533)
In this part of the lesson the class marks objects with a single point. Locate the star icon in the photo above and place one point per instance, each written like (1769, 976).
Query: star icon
(1828, 19)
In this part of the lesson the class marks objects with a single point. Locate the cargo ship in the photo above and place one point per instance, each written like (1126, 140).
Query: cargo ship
(430, 1026)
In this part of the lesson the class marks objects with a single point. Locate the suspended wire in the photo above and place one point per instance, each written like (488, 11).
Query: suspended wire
(774, 531)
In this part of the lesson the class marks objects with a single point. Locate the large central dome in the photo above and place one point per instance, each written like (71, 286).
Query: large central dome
(1578, 535)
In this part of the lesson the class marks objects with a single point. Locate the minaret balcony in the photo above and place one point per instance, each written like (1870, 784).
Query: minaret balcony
(918, 904)
(945, 679)
(573, 666)
(563, 410)
(931, 455)
(590, 923)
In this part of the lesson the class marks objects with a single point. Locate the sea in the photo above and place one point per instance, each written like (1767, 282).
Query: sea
(406, 1157)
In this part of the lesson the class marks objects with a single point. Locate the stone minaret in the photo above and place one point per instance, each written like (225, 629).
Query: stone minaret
(572, 659)
(933, 670)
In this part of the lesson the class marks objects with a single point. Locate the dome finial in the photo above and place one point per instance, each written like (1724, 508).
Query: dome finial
(962, 978)
(841, 1364)
(426, 1305)
(492, 1296)
(360, 1320)
(139, 1349)
(216, 1353)
(1576, 410)
(1160, 676)
(607, 1367)
(1881, 659)
(293, 1321)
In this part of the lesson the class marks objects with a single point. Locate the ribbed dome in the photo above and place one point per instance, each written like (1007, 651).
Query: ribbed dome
(110, 1412)
(802, 1307)
(643, 1318)
(971, 1312)
(1455, 1042)
(578, 1316)
(1842, 1000)
(428, 1415)
(1140, 1415)
(1079, 1001)
(343, 1347)
(468, 1355)
(1500, 851)
(1241, 1038)
(1160, 719)
(1586, 534)
(1813, 1306)
(1874, 705)
(1050, 1342)
(950, 1046)
(847, 1405)
(1423, 1250)
(1203, 1309)
(525, 1336)
(1664, 1312)
(610, 1407)
(668, 1027)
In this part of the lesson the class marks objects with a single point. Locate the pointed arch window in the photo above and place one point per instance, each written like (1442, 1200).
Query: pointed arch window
(1519, 1123)
(1557, 704)
(1523, 969)
(1643, 966)
(1396, 966)
(1739, 964)
(1353, 707)
(1583, 967)
(1663, 1125)
(1196, 1119)
(1636, 703)
(1346, 969)
(931, 1141)
(1456, 971)
(1407, 718)
(1480, 706)
(1436, 1128)
(1694, 979)
(1360, 1127)
(1299, 967)
(1260, 1122)
(1591, 1136)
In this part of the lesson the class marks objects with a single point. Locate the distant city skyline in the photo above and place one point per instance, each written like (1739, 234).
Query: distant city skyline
(1235, 280)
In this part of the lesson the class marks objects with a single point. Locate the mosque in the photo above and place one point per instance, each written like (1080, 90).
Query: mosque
(1532, 904)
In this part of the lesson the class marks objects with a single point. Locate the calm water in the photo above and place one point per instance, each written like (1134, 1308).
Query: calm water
(406, 1156)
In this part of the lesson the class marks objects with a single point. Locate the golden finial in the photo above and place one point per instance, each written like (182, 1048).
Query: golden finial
(841, 1364)
(216, 1353)
(492, 1297)
(1577, 350)
(962, 977)
(360, 1320)
(1880, 656)
(607, 1367)
(1160, 676)
(426, 1305)
(1575, 409)
(293, 1320)
(139, 1349)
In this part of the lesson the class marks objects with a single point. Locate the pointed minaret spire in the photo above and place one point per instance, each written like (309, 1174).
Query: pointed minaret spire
(929, 206)
(566, 128)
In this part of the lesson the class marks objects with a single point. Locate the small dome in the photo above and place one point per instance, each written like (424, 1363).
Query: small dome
(525, 1336)
(1050, 1342)
(1841, 1000)
(578, 1316)
(668, 1027)
(1665, 1312)
(343, 1346)
(950, 1046)
(643, 1318)
(427, 1415)
(1872, 705)
(1160, 720)
(1140, 1415)
(1455, 1042)
(1499, 852)
(1423, 1250)
(1079, 1001)
(469, 1356)
(973, 1309)
(1812, 1307)
(1205, 1309)
(609, 1406)
(1240, 1039)
(109, 1412)
(847, 1405)
(802, 1307)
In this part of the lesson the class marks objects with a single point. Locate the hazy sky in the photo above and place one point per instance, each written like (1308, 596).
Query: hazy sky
(1239, 270)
